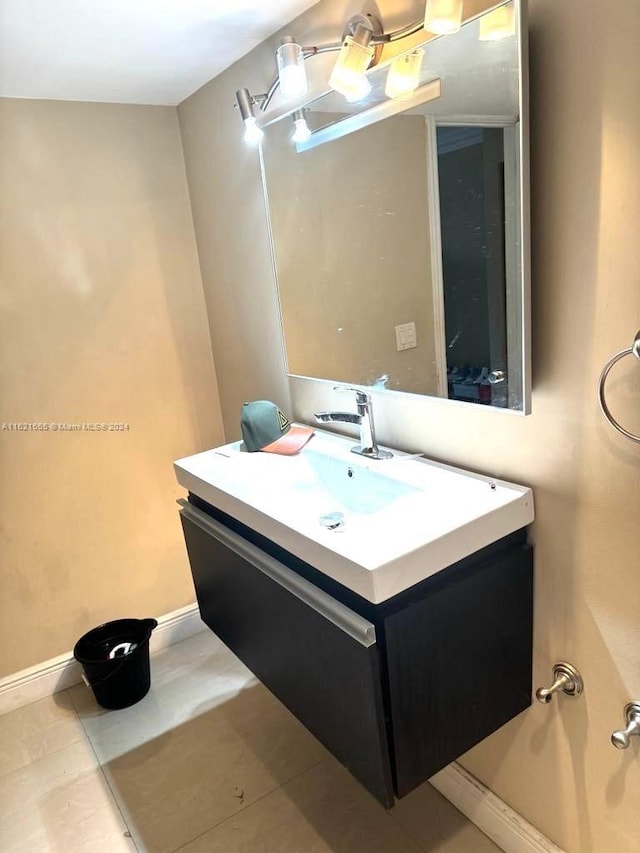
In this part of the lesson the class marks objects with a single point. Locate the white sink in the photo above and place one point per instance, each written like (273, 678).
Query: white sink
(404, 519)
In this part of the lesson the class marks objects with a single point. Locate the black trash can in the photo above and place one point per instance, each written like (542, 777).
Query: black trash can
(115, 660)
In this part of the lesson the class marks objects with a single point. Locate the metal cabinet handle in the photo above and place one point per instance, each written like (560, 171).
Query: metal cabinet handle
(566, 679)
(621, 739)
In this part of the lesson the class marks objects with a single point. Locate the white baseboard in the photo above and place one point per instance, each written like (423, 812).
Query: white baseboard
(506, 828)
(57, 674)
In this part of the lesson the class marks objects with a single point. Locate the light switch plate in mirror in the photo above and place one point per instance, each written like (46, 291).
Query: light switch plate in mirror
(412, 213)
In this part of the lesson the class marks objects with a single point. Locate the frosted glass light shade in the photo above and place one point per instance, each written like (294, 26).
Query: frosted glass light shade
(359, 91)
(443, 16)
(498, 24)
(291, 70)
(347, 76)
(404, 75)
(252, 133)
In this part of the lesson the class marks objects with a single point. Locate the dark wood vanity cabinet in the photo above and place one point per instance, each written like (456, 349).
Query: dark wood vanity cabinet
(397, 690)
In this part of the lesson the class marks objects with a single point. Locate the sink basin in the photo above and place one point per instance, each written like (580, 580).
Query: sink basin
(401, 520)
(353, 488)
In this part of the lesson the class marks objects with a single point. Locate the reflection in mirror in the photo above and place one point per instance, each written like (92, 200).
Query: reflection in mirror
(398, 238)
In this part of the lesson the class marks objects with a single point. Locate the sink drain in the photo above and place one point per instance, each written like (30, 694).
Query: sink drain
(332, 520)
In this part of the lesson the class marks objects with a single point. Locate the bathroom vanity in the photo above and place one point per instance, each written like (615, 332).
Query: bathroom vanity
(387, 604)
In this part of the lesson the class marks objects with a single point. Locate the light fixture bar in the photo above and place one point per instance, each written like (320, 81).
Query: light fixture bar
(378, 38)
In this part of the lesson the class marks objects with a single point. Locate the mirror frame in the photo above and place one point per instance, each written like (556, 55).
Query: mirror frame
(369, 115)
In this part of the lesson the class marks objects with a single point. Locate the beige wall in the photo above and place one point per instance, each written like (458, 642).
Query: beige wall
(233, 247)
(102, 318)
(331, 207)
(553, 764)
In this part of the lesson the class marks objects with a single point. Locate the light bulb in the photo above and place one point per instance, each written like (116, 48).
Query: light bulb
(353, 60)
(498, 24)
(291, 70)
(404, 75)
(301, 129)
(361, 88)
(443, 16)
(252, 133)
(301, 132)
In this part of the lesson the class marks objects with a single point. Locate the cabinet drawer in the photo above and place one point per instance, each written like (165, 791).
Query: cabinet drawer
(317, 656)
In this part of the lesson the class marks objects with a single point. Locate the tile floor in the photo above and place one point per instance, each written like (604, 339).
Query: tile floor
(208, 762)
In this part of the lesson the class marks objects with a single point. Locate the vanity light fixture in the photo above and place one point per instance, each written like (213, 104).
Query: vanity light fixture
(291, 71)
(358, 51)
(498, 24)
(252, 133)
(348, 75)
(443, 17)
(404, 75)
(301, 132)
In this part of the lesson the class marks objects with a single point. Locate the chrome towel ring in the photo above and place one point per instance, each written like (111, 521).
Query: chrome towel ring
(634, 350)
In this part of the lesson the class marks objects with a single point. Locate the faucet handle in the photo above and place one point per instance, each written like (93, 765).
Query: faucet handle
(362, 398)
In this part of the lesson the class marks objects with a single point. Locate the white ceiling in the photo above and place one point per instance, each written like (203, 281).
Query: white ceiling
(129, 51)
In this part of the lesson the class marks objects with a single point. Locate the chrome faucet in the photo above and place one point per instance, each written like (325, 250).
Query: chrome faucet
(364, 418)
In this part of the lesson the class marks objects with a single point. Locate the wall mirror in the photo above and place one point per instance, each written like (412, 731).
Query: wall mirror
(400, 228)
